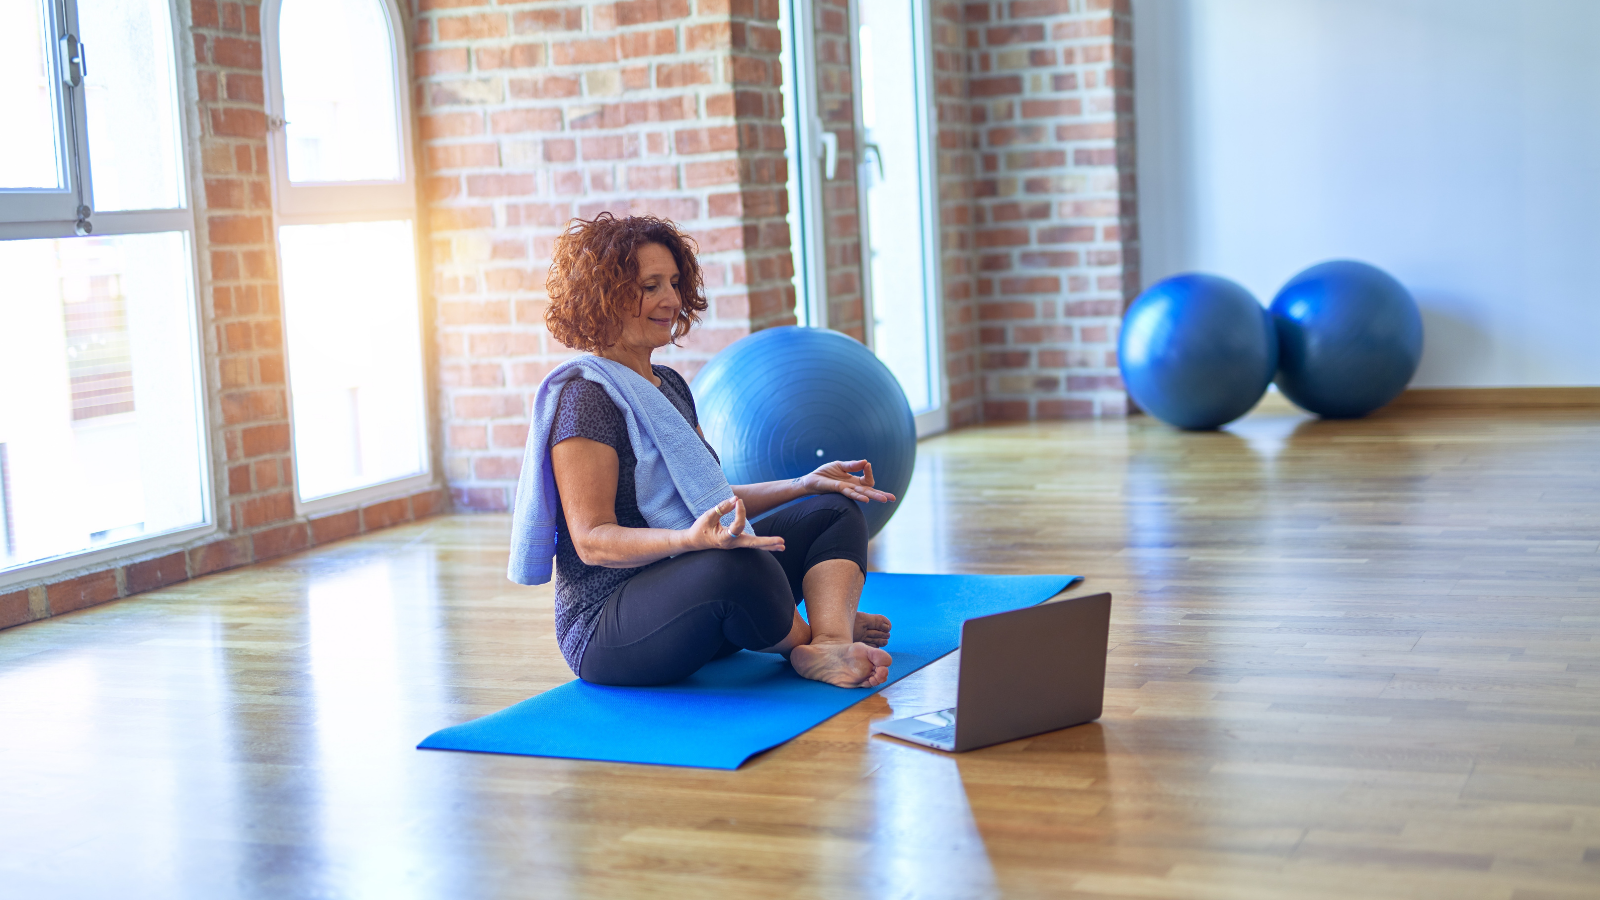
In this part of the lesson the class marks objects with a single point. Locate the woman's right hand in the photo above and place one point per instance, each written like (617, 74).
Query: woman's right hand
(708, 532)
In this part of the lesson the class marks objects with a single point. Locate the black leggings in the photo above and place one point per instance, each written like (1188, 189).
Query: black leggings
(672, 618)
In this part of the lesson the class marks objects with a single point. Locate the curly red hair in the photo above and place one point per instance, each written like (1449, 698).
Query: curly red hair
(594, 279)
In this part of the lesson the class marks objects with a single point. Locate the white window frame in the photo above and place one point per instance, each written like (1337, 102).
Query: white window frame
(61, 211)
(361, 201)
(812, 154)
(15, 224)
(936, 420)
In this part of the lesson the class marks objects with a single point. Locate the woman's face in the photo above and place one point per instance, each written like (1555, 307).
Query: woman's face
(659, 302)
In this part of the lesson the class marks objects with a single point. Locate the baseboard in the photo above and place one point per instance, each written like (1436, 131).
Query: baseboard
(1499, 398)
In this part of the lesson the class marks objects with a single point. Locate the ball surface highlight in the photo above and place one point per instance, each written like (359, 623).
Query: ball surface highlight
(1197, 351)
(1349, 338)
(783, 401)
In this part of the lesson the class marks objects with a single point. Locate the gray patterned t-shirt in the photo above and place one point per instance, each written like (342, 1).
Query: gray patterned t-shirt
(584, 409)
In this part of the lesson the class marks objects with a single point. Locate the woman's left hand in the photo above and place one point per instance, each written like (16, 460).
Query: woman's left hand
(837, 477)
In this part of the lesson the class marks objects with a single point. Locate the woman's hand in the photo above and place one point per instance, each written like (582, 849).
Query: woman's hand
(708, 532)
(836, 477)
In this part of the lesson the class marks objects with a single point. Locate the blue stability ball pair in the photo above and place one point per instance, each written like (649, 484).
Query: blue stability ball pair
(783, 401)
(1342, 337)
(1349, 338)
(1197, 351)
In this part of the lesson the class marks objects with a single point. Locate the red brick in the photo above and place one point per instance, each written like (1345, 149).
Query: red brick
(670, 75)
(280, 541)
(1036, 285)
(518, 121)
(236, 53)
(1065, 409)
(1063, 106)
(641, 12)
(533, 21)
(335, 526)
(463, 156)
(1003, 237)
(225, 230)
(659, 42)
(263, 509)
(1011, 309)
(507, 185)
(581, 52)
(1067, 234)
(14, 609)
(706, 140)
(260, 440)
(83, 591)
(476, 26)
(385, 514)
(996, 87)
(1005, 410)
(441, 61)
(545, 87)
(427, 503)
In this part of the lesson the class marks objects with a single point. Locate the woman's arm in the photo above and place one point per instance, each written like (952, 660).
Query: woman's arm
(586, 478)
(835, 477)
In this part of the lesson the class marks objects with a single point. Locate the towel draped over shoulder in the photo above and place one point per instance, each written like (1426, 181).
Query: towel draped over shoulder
(676, 477)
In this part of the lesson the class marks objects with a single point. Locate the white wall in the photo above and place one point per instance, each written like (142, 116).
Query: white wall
(1455, 143)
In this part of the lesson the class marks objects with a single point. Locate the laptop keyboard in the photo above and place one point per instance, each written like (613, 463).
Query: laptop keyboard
(946, 734)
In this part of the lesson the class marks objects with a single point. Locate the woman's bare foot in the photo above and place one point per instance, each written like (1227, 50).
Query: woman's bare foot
(871, 630)
(842, 665)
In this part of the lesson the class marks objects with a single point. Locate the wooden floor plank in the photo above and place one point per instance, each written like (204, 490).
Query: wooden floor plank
(1347, 659)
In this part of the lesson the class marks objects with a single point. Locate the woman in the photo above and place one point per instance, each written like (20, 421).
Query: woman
(642, 605)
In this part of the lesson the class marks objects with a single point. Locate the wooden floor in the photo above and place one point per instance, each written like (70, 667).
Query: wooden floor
(1355, 659)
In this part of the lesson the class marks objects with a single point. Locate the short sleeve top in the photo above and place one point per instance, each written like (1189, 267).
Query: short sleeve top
(585, 410)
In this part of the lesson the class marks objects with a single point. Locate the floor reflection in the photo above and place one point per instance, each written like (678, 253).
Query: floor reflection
(925, 842)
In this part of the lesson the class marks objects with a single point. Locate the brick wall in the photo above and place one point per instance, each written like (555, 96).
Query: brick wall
(1051, 101)
(246, 388)
(534, 114)
(957, 163)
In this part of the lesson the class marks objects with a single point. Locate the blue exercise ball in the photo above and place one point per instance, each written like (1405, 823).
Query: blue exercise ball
(1349, 338)
(1197, 351)
(783, 401)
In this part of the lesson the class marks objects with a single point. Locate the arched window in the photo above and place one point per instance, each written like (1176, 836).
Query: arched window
(344, 195)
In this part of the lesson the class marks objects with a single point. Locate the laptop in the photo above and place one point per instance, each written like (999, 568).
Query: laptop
(1023, 673)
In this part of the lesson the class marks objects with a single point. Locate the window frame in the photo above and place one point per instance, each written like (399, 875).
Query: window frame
(350, 202)
(805, 144)
(936, 420)
(327, 203)
(56, 212)
(184, 219)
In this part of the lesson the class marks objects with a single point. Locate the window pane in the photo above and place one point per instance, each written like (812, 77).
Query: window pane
(355, 354)
(133, 111)
(339, 84)
(105, 443)
(29, 153)
(889, 98)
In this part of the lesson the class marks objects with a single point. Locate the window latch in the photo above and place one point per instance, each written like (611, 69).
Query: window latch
(73, 67)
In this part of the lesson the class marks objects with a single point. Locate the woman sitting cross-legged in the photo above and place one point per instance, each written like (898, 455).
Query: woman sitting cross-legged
(657, 570)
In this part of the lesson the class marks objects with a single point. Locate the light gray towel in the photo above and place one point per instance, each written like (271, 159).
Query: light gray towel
(676, 477)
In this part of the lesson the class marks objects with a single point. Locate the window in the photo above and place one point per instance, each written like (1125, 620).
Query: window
(897, 180)
(103, 451)
(345, 198)
(812, 154)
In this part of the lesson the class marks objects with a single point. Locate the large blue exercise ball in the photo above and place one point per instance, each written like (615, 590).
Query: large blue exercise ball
(783, 401)
(1197, 351)
(1349, 338)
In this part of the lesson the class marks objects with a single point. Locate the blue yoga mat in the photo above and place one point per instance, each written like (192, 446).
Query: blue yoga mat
(736, 707)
